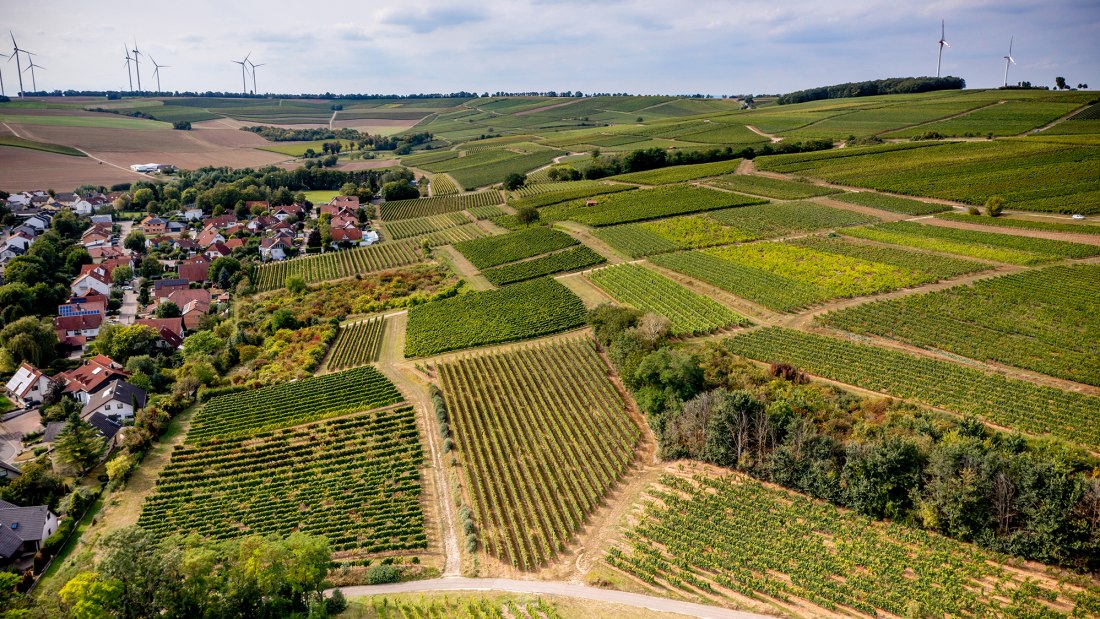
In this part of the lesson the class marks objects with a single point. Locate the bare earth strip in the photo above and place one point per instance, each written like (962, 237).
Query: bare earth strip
(1087, 239)
(25, 169)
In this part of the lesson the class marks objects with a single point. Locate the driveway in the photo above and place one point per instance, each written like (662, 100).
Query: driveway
(128, 312)
(12, 431)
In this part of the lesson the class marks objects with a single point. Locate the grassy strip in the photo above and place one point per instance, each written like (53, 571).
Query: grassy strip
(11, 140)
(894, 204)
(1023, 224)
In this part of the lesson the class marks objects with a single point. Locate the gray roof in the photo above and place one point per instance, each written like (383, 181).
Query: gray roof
(13, 469)
(105, 426)
(25, 522)
(117, 391)
(10, 543)
(52, 430)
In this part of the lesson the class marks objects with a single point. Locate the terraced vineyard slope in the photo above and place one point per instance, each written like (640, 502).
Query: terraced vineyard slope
(543, 436)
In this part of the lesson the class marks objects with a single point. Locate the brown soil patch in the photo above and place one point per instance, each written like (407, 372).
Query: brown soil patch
(366, 124)
(24, 169)
(369, 164)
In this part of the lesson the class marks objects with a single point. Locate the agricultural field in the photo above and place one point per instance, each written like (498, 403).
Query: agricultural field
(770, 187)
(336, 264)
(894, 204)
(354, 480)
(935, 265)
(1029, 173)
(778, 219)
(1022, 224)
(635, 241)
(497, 250)
(99, 121)
(356, 344)
(734, 535)
(689, 313)
(443, 185)
(423, 207)
(487, 212)
(288, 404)
(15, 142)
(458, 605)
(451, 236)
(1006, 248)
(679, 174)
(565, 192)
(1012, 403)
(298, 149)
(654, 204)
(535, 189)
(543, 436)
(560, 262)
(1043, 320)
(404, 228)
(1009, 118)
(488, 171)
(517, 312)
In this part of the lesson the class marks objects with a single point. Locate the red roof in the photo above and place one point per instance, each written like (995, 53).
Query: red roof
(174, 325)
(95, 373)
(346, 234)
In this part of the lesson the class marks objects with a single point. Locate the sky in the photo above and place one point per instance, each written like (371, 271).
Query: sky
(635, 46)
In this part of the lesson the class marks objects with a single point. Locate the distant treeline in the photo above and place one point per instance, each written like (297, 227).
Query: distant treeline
(891, 86)
(653, 158)
(118, 94)
(280, 134)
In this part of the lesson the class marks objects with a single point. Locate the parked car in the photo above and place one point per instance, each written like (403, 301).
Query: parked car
(1078, 216)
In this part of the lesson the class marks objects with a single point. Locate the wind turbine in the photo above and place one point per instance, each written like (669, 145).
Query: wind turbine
(254, 89)
(15, 54)
(129, 74)
(137, 64)
(2, 92)
(156, 70)
(31, 66)
(1008, 59)
(943, 44)
(244, 82)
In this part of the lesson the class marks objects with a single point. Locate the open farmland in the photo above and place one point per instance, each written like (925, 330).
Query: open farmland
(404, 228)
(517, 312)
(560, 262)
(654, 204)
(770, 187)
(356, 344)
(689, 313)
(895, 204)
(1012, 403)
(679, 174)
(729, 536)
(543, 436)
(354, 481)
(1041, 320)
(497, 250)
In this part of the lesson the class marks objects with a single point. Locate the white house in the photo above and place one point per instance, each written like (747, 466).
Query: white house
(40, 222)
(27, 384)
(82, 207)
(192, 214)
(118, 400)
(95, 280)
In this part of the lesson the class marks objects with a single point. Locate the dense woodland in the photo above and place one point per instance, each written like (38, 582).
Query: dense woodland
(870, 88)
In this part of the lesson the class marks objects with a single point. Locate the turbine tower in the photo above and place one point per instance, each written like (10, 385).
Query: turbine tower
(253, 65)
(31, 66)
(137, 64)
(1008, 59)
(943, 44)
(2, 92)
(244, 82)
(15, 54)
(156, 70)
(129, 74)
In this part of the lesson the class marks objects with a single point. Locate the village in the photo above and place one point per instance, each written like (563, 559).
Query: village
(145, 283)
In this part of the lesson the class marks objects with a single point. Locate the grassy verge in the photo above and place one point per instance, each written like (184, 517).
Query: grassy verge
(11, 140)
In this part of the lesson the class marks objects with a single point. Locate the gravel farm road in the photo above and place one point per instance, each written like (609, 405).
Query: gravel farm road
(563, 589)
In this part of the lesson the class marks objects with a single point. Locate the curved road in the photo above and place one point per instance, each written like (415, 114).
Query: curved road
(563, 589)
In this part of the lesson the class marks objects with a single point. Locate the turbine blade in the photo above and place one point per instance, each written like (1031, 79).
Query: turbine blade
(945, 44)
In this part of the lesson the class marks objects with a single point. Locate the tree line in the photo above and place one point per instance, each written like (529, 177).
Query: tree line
(1034, 498)
(890, 86)
(653, 158)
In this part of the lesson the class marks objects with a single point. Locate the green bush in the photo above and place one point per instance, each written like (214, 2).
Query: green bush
(382, 574)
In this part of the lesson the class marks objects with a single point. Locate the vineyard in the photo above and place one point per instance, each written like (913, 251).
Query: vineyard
(634, 240)
(497, 250)
(765, 221)
(443, 185)
(450, 236)
(287, 404)
(688, 312)
(656, 203)
(356, 344)
(564, 192)
(354, 480)
(460, 607)
(335, 264)
(543, 437)
(726, 535)
(1030, 174)
(404, 228)
(1006, 248)
(679, 174)
(537, 189)
(423, 207)
(561, 262)
(487, 212)
(520, 311)
(771, 187)
(894, 204)
(757, 285)
(1024, 224)
(1008, 402)
(1041, 320)
(934, 265)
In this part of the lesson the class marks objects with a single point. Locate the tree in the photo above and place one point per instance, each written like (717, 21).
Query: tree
(122, 274)
(729, 430)
(225, 280)
(182, 125)
(120, 342)
(1060, 83)
(880, 478)
(87, 596)
(38, 485)
(202, 344)
(142, 197)
(151, 267)
(527, 215)
(514, 181)
(283, 319)
(168, 309)
(314, 238)
(232, 265)
(399, 190)
(79, 445)
(994, 205)
(296, 284)
(30, 339)
(135, 241)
